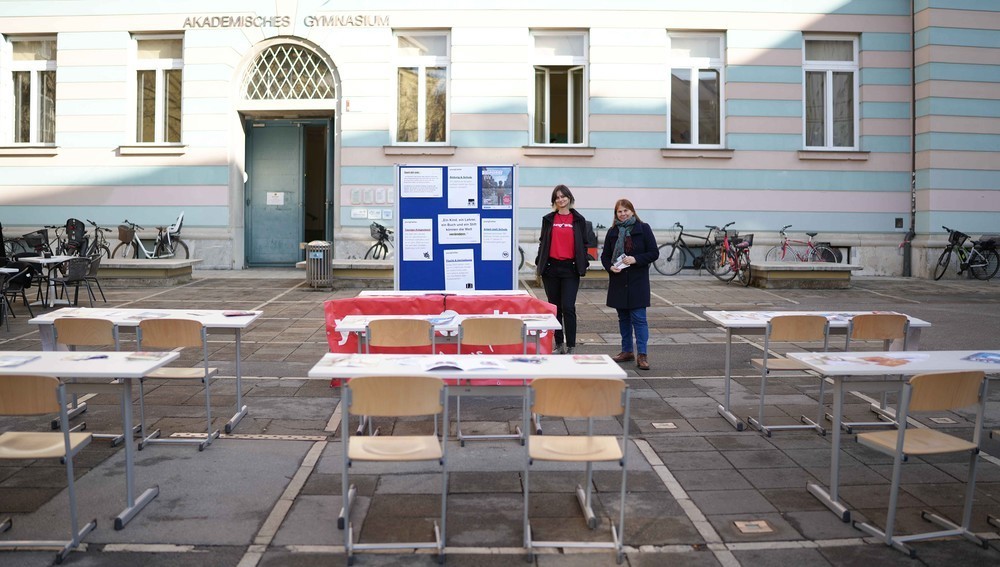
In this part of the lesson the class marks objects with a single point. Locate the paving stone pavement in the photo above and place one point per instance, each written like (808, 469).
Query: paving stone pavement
(268, 494)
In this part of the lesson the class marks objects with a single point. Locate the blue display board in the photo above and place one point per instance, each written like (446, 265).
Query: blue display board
(456, 227)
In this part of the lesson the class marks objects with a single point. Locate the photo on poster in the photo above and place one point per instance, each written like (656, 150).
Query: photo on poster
(498, 187)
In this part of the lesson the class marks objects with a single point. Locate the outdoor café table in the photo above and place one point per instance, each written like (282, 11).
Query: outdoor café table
(534, 322)
(755, 323)
(127, 367)
(842, 367)
(484, 374)
(214, 320)
(49, 264)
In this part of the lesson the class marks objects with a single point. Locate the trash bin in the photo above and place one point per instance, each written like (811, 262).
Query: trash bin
(319, 264)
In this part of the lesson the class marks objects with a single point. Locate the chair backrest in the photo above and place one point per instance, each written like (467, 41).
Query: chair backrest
(170, 333)
(940, 391)
(877, 327)
(399, 333)
(578, 397)
(72, 331)
(29, 395)
(95, 265)
(788, 328)
(76, 268)
(386, 396)
(492, 331)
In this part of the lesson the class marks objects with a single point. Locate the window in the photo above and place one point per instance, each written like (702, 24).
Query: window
(831, 87)
(560, 94)
(159, 60)
(422, 87)
(696, 80)
(33, 71)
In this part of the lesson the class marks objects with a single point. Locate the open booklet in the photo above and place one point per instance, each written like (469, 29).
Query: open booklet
(464, 364)
(16, 359)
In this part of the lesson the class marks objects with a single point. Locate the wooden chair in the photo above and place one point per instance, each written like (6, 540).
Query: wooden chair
(406, 333)
(169, 334)
(490, 332)
(393, 396)
(937, 392)
(41, 395)
(789, 329)
(579, 398)
(884, 327)
(75, 332)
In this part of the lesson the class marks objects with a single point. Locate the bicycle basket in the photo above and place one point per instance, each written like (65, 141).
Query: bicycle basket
(957, 238)
(989, 241)
(125, 233)
(377, 230)
(748, 238)
(733, 237)
(36, 240)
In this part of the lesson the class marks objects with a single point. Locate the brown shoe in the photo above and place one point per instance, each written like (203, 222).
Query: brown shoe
(623, 356)
(642, 362)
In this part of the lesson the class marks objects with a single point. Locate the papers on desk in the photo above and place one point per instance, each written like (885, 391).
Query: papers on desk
(143, 355)
(992, 357)
(842, 360)
(464, 364)
(588, 359)
(9, 360)
(147, 315)
(444, 318)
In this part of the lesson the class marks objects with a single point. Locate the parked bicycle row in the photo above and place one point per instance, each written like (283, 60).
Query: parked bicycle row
(73, 239)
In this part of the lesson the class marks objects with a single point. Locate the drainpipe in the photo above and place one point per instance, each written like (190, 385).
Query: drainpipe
(907, 247)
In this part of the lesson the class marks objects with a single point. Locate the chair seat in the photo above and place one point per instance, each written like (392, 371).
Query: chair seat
(39, 445)
(779, 364)
(917, 442)
(575, 448)
(395, 448)
(170, 373)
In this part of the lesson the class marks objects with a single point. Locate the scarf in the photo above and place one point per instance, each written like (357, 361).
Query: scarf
(624, 232)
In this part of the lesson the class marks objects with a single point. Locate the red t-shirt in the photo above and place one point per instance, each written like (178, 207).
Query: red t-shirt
(561, 247)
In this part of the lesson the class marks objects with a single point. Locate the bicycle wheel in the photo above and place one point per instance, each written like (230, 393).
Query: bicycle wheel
(125, 250)
(822, 254)
(670, 261)
(984, 263)
(743, 267)
(775, 254)
(104, 251)
(179, 249)
(520, 258)
(720, 264)
(377, 251)
(942, 264)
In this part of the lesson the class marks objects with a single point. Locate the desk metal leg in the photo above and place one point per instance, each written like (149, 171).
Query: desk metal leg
(241, 410)
(724, 410)
(133, 504)
(831, 497)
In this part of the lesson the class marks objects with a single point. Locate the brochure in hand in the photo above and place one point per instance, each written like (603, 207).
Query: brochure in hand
(620, 263)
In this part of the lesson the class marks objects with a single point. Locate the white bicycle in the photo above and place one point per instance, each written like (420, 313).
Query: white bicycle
(168, 242)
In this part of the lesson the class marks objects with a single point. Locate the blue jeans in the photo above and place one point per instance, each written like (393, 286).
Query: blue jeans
(629, 319)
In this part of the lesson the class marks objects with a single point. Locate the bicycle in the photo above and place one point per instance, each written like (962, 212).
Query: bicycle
(674, 255)
(383, 240)
(791, 250)
(724, 249)
(168, 243)
(738, 257)
(99, 245)
(982, 259)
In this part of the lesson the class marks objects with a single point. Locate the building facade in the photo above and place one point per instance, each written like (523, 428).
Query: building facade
(273, 123)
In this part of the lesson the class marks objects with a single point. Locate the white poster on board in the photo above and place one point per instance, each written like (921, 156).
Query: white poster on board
(418, 236)
(421, 182)
(458, 229)
(496, 239)
(459, 270)
(462, 190)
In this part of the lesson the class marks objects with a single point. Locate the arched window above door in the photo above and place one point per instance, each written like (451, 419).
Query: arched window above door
(288, 72)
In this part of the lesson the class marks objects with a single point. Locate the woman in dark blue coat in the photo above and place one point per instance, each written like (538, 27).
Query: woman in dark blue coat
(629, 249)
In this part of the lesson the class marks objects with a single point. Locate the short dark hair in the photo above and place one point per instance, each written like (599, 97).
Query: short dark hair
(565, 191)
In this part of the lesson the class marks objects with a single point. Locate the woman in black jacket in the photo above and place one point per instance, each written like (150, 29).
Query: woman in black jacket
(629, 249)
(562, 261)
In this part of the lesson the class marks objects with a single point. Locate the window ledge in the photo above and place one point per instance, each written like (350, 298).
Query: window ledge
(418, 150)
(40, 151)
(559, 151)
(152, 150)
(834, 155)
(705, 153)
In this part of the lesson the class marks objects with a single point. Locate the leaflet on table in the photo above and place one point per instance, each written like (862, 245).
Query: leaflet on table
(148, 315)
(8, 360)
(464, 364)
(588, 359)
(992, 357)
(144, 355)
(865, 360)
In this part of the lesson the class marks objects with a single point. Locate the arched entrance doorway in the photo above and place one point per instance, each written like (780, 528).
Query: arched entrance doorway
(288, 109)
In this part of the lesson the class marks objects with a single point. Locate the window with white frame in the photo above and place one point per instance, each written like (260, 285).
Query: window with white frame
(560, 93)
(696, 83)
(422, 86)
(831, 92)
(159, 61)
(33, 73)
